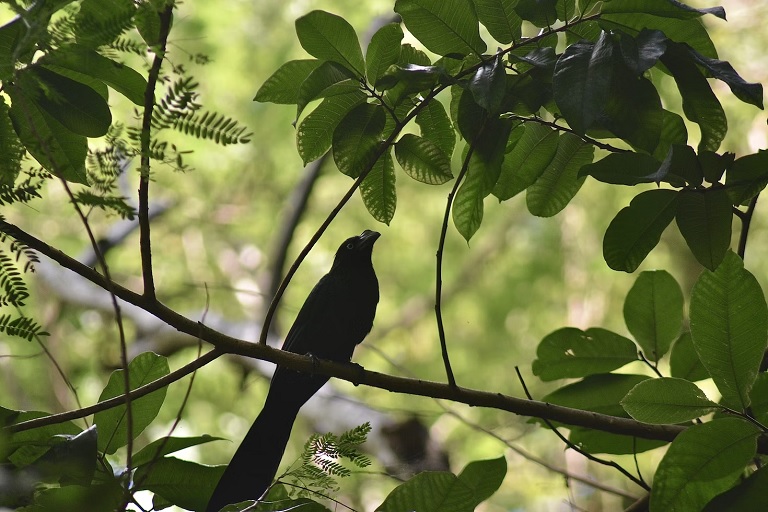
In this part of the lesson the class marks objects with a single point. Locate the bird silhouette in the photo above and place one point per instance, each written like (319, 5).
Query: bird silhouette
(336, 316)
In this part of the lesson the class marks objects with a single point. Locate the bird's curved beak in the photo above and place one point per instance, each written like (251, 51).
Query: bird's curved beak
(368, 237)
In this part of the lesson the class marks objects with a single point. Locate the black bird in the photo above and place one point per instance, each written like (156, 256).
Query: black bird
(336, 316)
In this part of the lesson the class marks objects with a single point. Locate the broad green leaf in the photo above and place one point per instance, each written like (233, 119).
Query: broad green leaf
(76, 106)
(113, 423)
(148, 23)
(314, 134)
(488, 85)
(582, 80)
(653, 312)
(436, 127)
(751, 93)
(667, 400)
(673, 131)
(601, 393)
(699, 102)
(729, 325)
(165, 445)
(527, 161)
(559, 182)
(328, 79)
(422, 160)
(684, 362)
(378, 189)
(98, 497)
(357, 137)
(704, 218)
(484, 477)
(186, 484)
(749, 494)
(383, 51)
(489, 148)
(467, 209)
(690, 31)
(570, 352)
(702, 462)
(330, 37)
(622, 168)
(759, 396)
(55, 147)
(747, 176)
(500, 18)
(443, 26)
(119, 77)
(541, 13)
(431, 491)
(664, 8)
(637, 228)
(282, 87)
(470, 117)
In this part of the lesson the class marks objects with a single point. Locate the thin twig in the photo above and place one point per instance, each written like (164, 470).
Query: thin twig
(575, 448)
(559, 127)
(746, 220)
(146, 129)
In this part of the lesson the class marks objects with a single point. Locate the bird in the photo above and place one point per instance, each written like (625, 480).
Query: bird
(336, 316)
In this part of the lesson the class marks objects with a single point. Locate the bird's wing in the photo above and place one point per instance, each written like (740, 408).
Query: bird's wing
(314, 309)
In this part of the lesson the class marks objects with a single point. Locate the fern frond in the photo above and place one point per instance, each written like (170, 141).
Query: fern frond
(99, 24)
(21, 326)
(11, 148)
(108, 203)
(13, 289)
(180, 100)
(125, 44)
(212, 126)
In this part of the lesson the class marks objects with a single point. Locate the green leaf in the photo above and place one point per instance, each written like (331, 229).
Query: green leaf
(357, 137)
(484, 477)
(328, 79)
(378, 190)
(71, 460)
(383, 51)
(51, 144)
(76, 106)
(188, 485)
(684, 362)
(704, 218)
(488, 85)
(69, 498)
(751, 93)
(622, 169)
(664, 8)
(559, 182)
(410, 78)
(747, 176)
(570, 352)
(422, 160)
(601, 393)
(10, 147)
(699, 102)
(436, 127)
(314, 134)
(467, 209)
(541, 13)
(759, 396)
(165, 445)
(702, 462)
(527, 161)
(667, 400)
(431, 491)
(500, 18)
(119, 77)
(749, 494)
(282, 87)
(653, 312)
(637, 228)
(713, 165)
(330, 37)
(673, 131)
(640, 53)
(443, 26)
(729, 325)
(112, 423)
(679, 166)
(11, 34)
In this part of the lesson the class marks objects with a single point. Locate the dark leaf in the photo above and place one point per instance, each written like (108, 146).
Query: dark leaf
(704, 218)
(622, 169)
(488, 85)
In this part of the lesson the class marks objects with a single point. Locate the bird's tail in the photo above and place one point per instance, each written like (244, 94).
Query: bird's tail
(255, 463)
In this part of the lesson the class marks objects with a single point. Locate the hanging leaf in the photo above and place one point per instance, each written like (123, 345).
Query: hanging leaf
(443, 26)
(422, 160)
(622, 169)
(357, 137)
(488, 85)
(637, 228)
(702, 462)
(729, 325)
(500, 18)
(571, 353)
(704, 218)
(330, 37)
(436, 127)
(527, 160)
(328, 79)
(684, 362)
(283, 85)
(667, 400)
(314, 134)
(541, 13)
(747, 177)
(653, 312)
(383, 51)
(665, 8)
(378, 190)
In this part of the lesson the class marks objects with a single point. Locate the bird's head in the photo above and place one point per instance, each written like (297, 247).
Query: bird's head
(357, 249)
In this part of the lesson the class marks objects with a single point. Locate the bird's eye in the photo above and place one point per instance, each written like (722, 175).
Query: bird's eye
(350, 246)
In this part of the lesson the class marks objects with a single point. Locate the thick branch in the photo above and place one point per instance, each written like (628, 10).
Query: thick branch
(354, 374)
